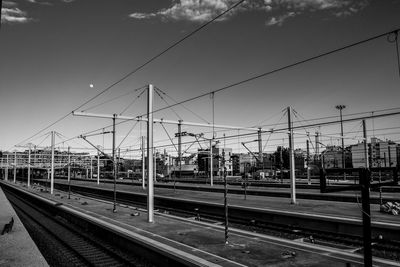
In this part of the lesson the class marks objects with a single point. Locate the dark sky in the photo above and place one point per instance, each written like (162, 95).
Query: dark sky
(51, 51)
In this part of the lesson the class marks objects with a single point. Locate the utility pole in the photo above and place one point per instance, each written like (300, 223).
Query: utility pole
(15, 166)
(29, 167)
(150, 187)
(34, 155)
(211, 164)
(69, 164)
(180, 147)
(317, 143)
(98, 167)
(6, 170)
(143, 165)
(52, 162)
(281, 162)
(69, 173)
(384, 159)
(260, 152)
(365, 187)
(308, 163)
(118, 159)
(225, 197)
(365, 144)
(114, 165)
(340, 108)
(155, 164)
(291, 159)
(169, 167)
(91, 168)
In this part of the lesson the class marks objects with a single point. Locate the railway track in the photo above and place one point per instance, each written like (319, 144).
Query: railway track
(257, 189)
(327, 230)
(64, 244)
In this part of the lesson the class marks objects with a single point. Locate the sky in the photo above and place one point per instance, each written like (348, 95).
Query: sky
(57, 54)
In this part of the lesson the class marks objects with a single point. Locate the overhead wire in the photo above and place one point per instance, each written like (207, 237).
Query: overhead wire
(344, 116)
(297, 115)
(395, 41)
(255, 77)
(198, 116)
(397, 52)
(114, 98)
(127, 134)
(267, 119)
(282, 130)
(301, 118)
(47, 135)
(233, 84)
(176, 43)
(172, 142)
(162, 98)
(271, 72)
(212, 95)
(270, 134)
(133, 101)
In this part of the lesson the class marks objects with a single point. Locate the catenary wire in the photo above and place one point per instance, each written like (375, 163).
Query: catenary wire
(132, 102)
(162, 52)
(255, 77)
(240, 82)
(198, 116)
(114, 98)
(176, 43)
(246, 80)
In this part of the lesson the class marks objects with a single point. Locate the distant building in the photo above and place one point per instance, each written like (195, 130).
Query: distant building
(235, 164)
(380, 154)
(358, 155)
(299, 159)
(247, 163)
(383, 153)
(332, 157)
(218, 160)
(41, 158)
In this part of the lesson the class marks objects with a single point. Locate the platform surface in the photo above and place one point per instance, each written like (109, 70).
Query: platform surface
(249, 249)
(16, 247)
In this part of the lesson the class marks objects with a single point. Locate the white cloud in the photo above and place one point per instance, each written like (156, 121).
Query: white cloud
(191, 10)
(279, 20)
(337, 8)
(40, 2)
(277, 11)
(142, 15)
(13, 15)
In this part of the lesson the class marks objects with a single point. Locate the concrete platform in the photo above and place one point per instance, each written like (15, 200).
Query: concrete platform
(207, 240)
(16, 247)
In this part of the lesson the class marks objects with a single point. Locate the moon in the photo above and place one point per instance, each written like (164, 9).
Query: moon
(91, 85)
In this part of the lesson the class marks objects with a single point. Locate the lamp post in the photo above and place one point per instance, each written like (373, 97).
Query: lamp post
(340, 108)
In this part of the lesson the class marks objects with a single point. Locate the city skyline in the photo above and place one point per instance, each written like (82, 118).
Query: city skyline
(57, 55)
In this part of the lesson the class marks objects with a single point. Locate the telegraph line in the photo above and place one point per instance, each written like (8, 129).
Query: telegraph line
(162, 53)
(230, 85)
(282, 130)
(283, 68)
(176, 43)
(114, 98)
